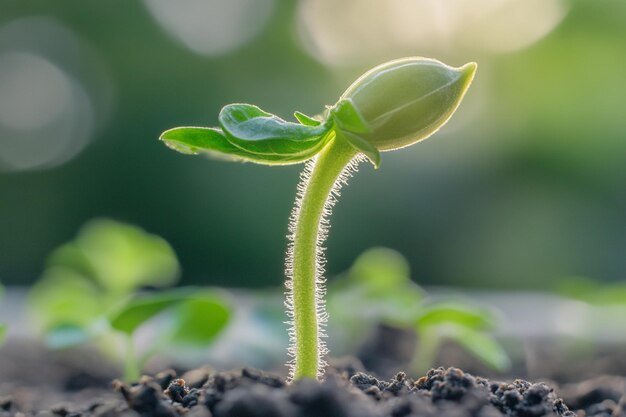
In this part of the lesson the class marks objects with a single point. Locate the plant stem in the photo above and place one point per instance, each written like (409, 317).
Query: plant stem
(316, 195)
(131, 365)
(426, 354)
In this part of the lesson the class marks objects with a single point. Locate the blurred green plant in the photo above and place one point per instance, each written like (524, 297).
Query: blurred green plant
(394, 105)
(91, 290)
(593, 291)
(378, 289)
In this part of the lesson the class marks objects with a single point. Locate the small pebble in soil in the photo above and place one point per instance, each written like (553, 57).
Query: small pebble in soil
(177, 390)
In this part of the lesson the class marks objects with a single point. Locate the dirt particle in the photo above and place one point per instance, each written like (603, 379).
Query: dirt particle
(177, 390)
(164, 378)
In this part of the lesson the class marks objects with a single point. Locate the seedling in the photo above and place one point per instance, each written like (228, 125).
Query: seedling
(91, 291)
(390, 107)
(378, 289)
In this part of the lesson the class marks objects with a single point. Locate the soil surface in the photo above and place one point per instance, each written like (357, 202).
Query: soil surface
(347, 391)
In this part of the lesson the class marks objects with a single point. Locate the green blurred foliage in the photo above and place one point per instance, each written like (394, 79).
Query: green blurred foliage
(593, 292)
(378, 289)
(527, 185)
(91, 292)
(102, 267)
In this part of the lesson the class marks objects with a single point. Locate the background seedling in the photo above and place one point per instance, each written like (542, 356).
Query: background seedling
(91, 290)
(390, 107)
(592, 291)
(378, 289)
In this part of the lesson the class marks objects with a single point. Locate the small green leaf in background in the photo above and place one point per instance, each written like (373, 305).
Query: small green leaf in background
(381, 269)
(592, 291)
(481, 345)
(125, 257)
(459, 314)
(144, 307)
(63, 296)
(70, 256)
(380, 279)
(198, 315)
(199, 320)
(85, 278)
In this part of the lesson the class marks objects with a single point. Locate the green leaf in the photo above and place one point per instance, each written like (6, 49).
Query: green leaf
(63, 296)
(380, 279)
(255, 131)
(483, 346)
(347, 117)
(380, 268)
(245, 122)
(306, 120)
(199, 320)
(195, 140)
(125, 257)
(194, 308)
(361, 145)
(3, 332)
(213, 142)
(71, 256)
(143, 308)
(462, 315)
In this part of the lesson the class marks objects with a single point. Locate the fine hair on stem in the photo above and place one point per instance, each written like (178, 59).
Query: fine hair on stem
(320, 261)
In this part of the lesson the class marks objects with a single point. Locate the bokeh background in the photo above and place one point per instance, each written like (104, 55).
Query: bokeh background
(525, 187)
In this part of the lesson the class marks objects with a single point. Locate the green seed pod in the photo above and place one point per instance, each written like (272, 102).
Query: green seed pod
(407, 100)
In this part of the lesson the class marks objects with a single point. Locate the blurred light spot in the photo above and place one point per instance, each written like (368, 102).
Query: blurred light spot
(335, 34)
(33, 92)
(53, 94)
(212, 27)
(513, 25)
(45, 117)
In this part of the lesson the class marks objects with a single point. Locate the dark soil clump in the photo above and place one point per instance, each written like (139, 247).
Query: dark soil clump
(346, 392)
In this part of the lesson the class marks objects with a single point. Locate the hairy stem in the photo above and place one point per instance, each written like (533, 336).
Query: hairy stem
(317, 193)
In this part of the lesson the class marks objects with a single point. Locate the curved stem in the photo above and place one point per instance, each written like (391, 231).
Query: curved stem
(317, 193)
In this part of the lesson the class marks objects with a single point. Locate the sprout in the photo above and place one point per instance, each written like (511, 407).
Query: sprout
(380, 282)
(90, 291)
(392, 106)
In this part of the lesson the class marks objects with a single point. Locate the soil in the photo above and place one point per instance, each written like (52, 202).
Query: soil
(347, 391)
